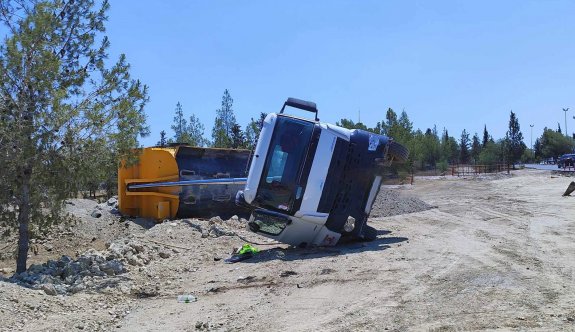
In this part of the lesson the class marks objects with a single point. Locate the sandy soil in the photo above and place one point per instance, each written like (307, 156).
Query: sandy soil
(496, 253)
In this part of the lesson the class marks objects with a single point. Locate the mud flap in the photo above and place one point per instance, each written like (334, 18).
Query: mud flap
(570, 189)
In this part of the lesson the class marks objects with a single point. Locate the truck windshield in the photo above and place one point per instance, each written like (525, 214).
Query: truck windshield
(278, 187)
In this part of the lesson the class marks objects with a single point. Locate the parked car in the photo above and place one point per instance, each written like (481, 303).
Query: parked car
(566, 160)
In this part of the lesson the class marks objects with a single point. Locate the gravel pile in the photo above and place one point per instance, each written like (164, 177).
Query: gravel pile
(92, 270)
(390, 202)
(66, 275)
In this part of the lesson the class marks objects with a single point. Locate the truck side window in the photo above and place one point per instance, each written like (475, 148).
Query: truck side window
(277, 165)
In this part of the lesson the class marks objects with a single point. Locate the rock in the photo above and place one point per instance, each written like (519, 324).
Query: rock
(164, 254)
(288, 273)
(135, 261)
(96, 213)
(112, 201)
(138, 247)
(48, 247)
(95, 269)
(77, 288)
(215, 220)
(49, 289)
(35, 268)
(64, 260)
(217, 231)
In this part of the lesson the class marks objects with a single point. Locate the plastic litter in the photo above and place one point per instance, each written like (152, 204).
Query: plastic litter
(186, 298)
(247, 251)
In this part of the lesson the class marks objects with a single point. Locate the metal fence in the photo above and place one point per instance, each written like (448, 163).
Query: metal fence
(465, 170)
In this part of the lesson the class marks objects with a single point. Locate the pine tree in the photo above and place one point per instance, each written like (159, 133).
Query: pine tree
(537, 148)
(238, 139)
(515, 145)
(464, 147)
(475, 148)
(349, 124)
(485, 137)
(390, 122)
(163, 140)
(449, 148)
(65, 112)
(224, 122)
(180, 126)
(195, 132)
(253, 130)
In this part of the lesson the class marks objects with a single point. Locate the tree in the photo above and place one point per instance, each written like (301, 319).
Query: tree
(195, 132)
(475, 148)
(60, 100)
(431, 148)
(449, 148)
(238, 139)
(349, 124)
(180, 126)
(490, 154)
(554, 144)
(485, 137)
(224, 122)
(537, 148)
(516, 145)
(163, 140)
(253, 130)
(389, 123)
(464, 147)
(558, 128)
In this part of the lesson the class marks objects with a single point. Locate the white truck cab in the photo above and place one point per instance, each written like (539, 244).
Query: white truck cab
(310, 183)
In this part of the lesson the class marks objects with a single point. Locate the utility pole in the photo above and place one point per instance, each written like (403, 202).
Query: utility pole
(532, 139)
(565, 110)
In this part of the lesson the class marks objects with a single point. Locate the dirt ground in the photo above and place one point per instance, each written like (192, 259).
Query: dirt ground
(489, 253)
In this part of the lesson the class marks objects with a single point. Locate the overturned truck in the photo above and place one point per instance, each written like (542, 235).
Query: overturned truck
(309, 182)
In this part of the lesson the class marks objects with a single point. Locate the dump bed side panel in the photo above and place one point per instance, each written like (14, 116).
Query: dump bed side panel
(208, 163)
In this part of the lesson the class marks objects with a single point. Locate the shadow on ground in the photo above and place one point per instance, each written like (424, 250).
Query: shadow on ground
(145, 223)
(294, 254)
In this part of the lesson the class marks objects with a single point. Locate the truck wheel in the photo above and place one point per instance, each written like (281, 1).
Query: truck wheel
(398, 152)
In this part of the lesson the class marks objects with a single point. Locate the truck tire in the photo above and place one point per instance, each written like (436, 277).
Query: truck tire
(398, 152)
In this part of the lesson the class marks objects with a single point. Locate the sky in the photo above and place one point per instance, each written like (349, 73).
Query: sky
(454, 64)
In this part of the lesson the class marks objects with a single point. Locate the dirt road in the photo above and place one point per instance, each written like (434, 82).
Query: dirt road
(498, 253)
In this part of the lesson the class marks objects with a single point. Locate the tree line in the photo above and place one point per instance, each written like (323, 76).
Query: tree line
(226, 132)
(429, 149)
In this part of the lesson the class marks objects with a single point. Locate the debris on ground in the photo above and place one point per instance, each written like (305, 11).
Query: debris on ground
(247, 251)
